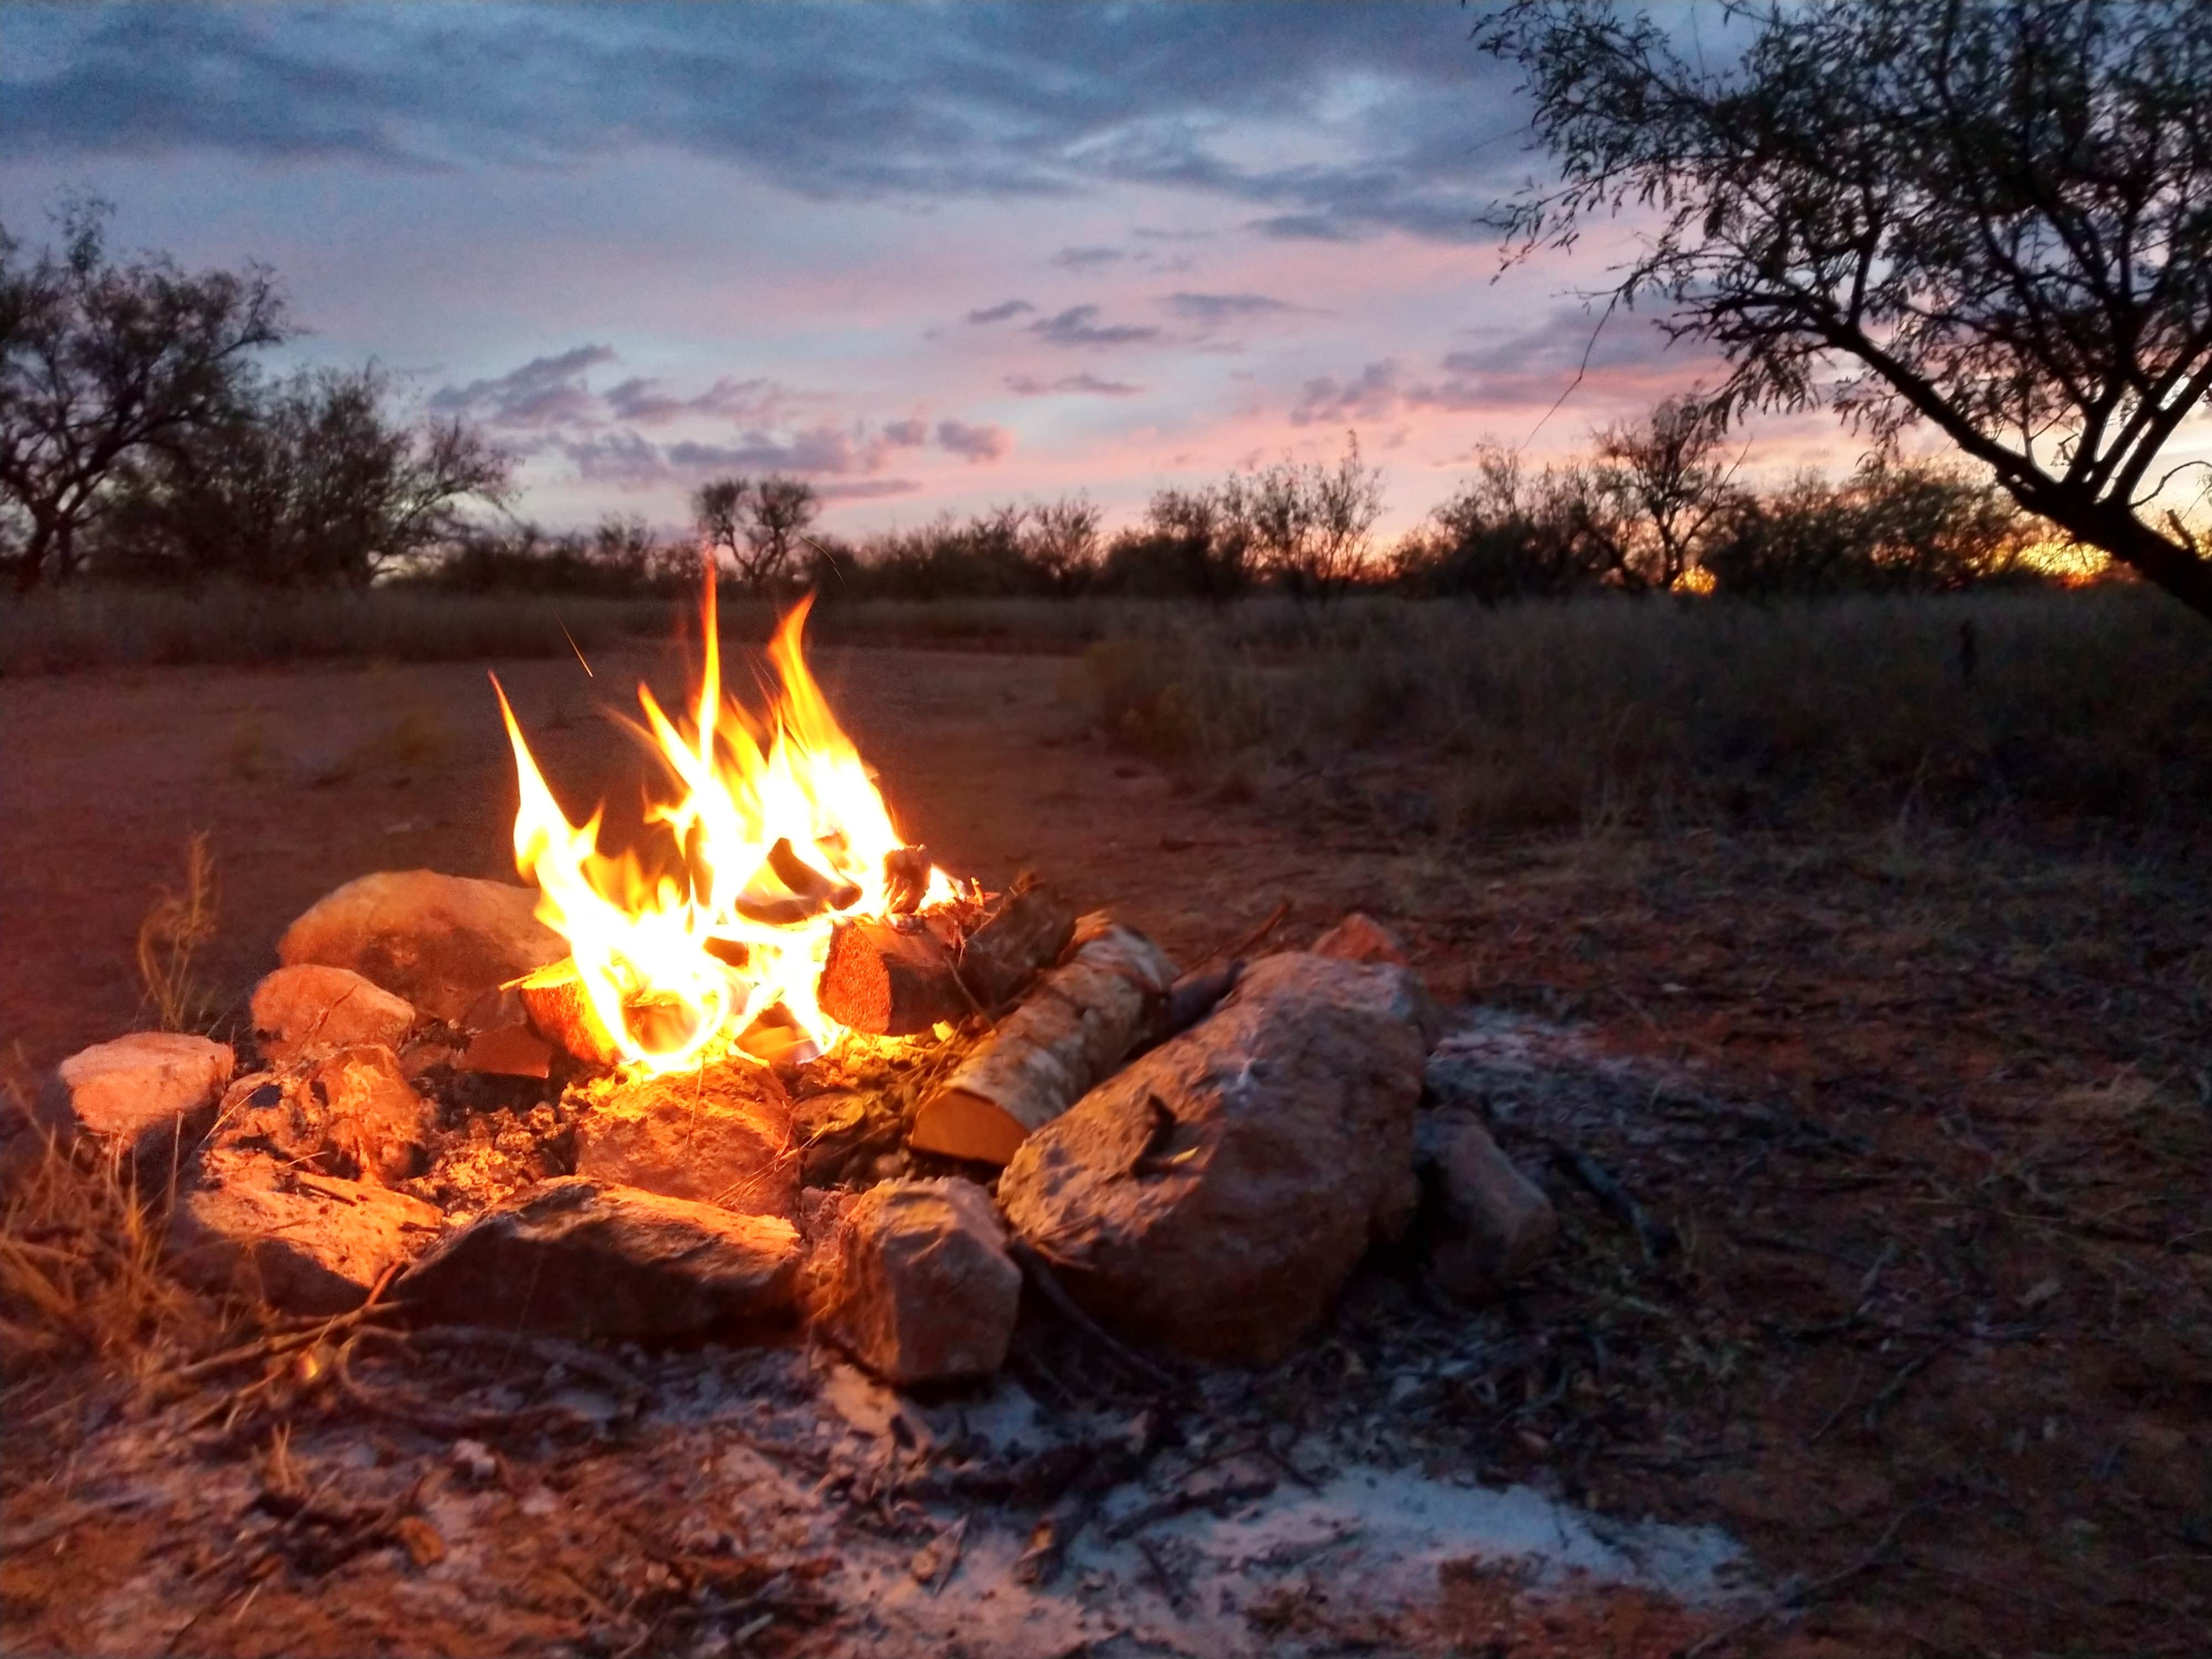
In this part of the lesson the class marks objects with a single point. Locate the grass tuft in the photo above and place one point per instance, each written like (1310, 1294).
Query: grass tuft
(180, 920)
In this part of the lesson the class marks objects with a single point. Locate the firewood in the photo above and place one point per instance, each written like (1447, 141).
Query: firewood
(906, 878)
(1027, 934)
(888, 982)
(560, 1012)
(807, 882)
(1073, 1031)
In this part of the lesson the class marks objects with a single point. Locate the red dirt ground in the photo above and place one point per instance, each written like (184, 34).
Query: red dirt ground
(1946, 1357)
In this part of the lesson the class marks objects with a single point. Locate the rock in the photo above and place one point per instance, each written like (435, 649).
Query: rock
(439, 941)
(722, 1136)
(307, 1242)
(350, 1116)
(581, 1257)
(1491, 1224)
(1360, 938)
(1217, 1193)
(146, 1098)
(923, 1290)
(301, 1009)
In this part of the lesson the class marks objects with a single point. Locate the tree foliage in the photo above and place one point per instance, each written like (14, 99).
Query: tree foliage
(313, 479)
(1994, 217)
(103, 363)
(757, 525)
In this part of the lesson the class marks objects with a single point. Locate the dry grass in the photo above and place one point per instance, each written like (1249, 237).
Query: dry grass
(1597, 711)
(180, 920)
(81, 1272)
(111, 628)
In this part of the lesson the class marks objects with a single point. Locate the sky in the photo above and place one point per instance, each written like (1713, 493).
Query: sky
(929, 257)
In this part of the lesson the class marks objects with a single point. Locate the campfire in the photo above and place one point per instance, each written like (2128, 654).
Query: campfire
(771, 1067)
(778, 846)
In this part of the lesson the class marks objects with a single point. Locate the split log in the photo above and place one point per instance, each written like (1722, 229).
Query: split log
(887, 981)
(1073, 1030)
(1026, 936)
(808, 882)
(559, 1011)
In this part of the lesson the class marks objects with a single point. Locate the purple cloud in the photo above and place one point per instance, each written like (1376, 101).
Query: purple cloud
(973, 443)
(1002, 311)
(1028, 385)
(1078, 326)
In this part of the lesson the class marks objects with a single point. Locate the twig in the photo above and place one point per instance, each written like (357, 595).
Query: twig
(1038, 1272)
(1656, 1237)
(1244, 942)
(1804, 1593)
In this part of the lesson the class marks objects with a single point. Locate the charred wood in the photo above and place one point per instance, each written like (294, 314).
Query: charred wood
(1023, 937)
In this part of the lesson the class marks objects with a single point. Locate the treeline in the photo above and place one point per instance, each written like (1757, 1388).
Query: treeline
(140, 442)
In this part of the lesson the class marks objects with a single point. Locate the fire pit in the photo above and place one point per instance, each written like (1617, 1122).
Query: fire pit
(773, 1066)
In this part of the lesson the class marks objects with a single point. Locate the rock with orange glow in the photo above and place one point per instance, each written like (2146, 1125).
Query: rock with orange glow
(146, 1098)
(1215, 1195)
(581, 1257)
(439, 941)
(308, 1243)
(720, 1136)
(923, 1290)
(351, 1114)
(300, 1010)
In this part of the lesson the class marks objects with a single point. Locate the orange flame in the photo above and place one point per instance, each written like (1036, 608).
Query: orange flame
(671, 965)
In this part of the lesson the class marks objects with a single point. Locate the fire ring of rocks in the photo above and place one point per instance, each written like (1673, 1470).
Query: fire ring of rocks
(796, 1075)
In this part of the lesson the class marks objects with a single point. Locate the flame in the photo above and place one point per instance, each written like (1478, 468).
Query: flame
(671, 963)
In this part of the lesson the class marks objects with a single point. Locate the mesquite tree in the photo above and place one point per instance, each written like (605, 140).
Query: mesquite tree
(101, 362)
(1996, 218)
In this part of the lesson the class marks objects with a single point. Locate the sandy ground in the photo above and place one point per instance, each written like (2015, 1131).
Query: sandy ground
(1937, 1348)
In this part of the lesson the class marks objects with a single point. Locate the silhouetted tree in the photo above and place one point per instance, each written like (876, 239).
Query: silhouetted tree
(1667, 476)
(1993, 216)
(758, 526)
(102, 362)
(311, 479)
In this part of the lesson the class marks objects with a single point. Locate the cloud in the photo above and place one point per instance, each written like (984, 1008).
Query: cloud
(973, 443)
(1303, 228)
(865, 489)
(1078, 326)
(545, 392)
(1028, 385)
(1001, 311)
(920, 104)
(1212, 310)
(1370, 395)
(1087, 258)
(905, 434)
(753, 401)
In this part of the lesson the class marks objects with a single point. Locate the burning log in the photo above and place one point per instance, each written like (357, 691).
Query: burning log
(906, 878)
(1073, 1030)
(560, 1012)
(888, 981)
(1029, 931)
(808, 882)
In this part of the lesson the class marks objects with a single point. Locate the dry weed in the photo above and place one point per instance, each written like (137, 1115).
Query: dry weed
(180, 922)
(80, 1257)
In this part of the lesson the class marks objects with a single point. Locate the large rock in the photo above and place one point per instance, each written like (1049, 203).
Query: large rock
(146, 1098)
(923, 1290)
(309, 1007)
(1217, 1193)
(578, 1258)
(308, 1243)
(351, 1114)
(722, 1137)
(1491, 1224)
(439, 941)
